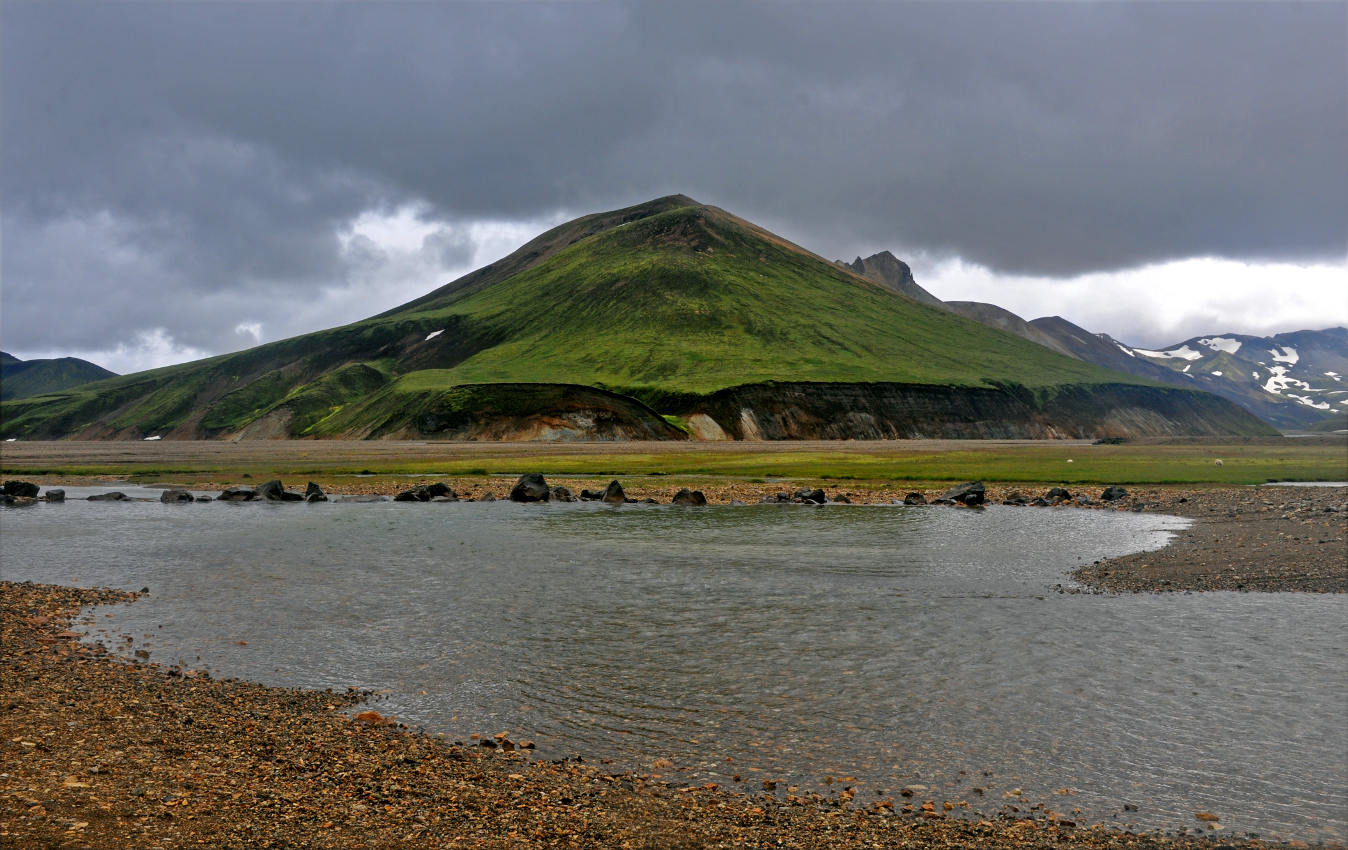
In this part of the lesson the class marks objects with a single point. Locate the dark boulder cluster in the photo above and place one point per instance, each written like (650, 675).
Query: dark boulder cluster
(272, 491)
(970, 494)
(803, 496)
(437, 492)
(611, 495)
(20, 494)
(1062, 496)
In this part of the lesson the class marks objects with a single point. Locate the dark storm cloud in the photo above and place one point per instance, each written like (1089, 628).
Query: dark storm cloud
(185, 165)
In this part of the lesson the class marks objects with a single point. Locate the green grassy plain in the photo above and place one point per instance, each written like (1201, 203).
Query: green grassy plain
(860, 464)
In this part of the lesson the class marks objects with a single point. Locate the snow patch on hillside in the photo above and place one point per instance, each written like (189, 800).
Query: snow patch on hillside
(1309, 402)
(1184, 352)
(433, 334)
(1289, 355)
(1214, 371)
(1221, 343)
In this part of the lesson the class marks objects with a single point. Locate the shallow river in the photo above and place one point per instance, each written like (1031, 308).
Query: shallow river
(881, 646)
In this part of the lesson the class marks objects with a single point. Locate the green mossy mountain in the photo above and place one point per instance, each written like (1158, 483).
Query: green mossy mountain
(610, 326)
(24, 378)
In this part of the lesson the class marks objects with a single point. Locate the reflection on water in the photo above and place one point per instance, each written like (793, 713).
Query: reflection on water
(893, 645)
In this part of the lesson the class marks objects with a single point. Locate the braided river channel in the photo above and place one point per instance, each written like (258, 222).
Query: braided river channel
(869, 647)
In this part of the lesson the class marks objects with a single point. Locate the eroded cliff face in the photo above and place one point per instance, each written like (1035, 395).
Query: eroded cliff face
(880, 411)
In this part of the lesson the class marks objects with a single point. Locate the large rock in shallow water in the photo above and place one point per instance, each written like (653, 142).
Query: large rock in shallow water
(175, 496)
(314, 493)
(275, 491)
(915, 499)
(531, 487)
(24, 489)
(968, 493)
(813, 497)
(55, 495)
(613, 494)
(689, 497)
(237, 494)
(114, 496)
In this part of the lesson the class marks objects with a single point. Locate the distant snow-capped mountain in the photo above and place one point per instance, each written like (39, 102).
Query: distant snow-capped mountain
(1290, 380)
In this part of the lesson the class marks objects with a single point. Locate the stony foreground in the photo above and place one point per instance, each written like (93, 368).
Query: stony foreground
(101, 753)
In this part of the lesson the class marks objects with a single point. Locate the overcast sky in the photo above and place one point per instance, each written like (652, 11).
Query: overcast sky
(184, 179)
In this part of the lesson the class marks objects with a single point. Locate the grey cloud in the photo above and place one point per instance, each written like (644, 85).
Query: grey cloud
(225, 145)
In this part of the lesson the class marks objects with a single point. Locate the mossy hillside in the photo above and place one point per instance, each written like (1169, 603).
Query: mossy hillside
(25, 378)
(692, 300)
(666, 302)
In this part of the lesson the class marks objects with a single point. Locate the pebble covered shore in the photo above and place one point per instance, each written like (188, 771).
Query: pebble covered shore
(101, 753)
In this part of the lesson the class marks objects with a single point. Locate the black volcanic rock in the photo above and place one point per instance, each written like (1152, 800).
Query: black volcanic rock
(531, 487)
(613, 494)
(21, 489)
(968, 493)
(275, 491)
(689, 497)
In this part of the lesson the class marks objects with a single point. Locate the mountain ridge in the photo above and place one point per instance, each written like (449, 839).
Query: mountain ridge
(1301, 394)
(26, 378)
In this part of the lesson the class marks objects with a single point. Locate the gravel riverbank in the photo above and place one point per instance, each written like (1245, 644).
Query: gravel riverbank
(102, 753)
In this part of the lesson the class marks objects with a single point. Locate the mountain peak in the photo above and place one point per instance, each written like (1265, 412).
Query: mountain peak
(892, 273)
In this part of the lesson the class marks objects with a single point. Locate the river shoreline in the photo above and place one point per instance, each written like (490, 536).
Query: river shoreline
(1268, 538)
(101, 752)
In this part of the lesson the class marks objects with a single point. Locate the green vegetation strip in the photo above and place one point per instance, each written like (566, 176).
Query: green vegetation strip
(1182, 463)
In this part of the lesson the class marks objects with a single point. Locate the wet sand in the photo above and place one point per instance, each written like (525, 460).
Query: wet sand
(102, 753)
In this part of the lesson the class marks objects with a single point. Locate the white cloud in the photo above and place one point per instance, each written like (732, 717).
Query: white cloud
(1162, 304)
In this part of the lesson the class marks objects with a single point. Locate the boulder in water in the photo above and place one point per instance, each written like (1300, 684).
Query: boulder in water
(968, 493)
(531, 487)
(689, 497)
(25, 489)
(613, 494)
(275, 491)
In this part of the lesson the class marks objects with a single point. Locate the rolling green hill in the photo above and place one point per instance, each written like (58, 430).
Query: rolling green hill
(653, 316)
(24, 378)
